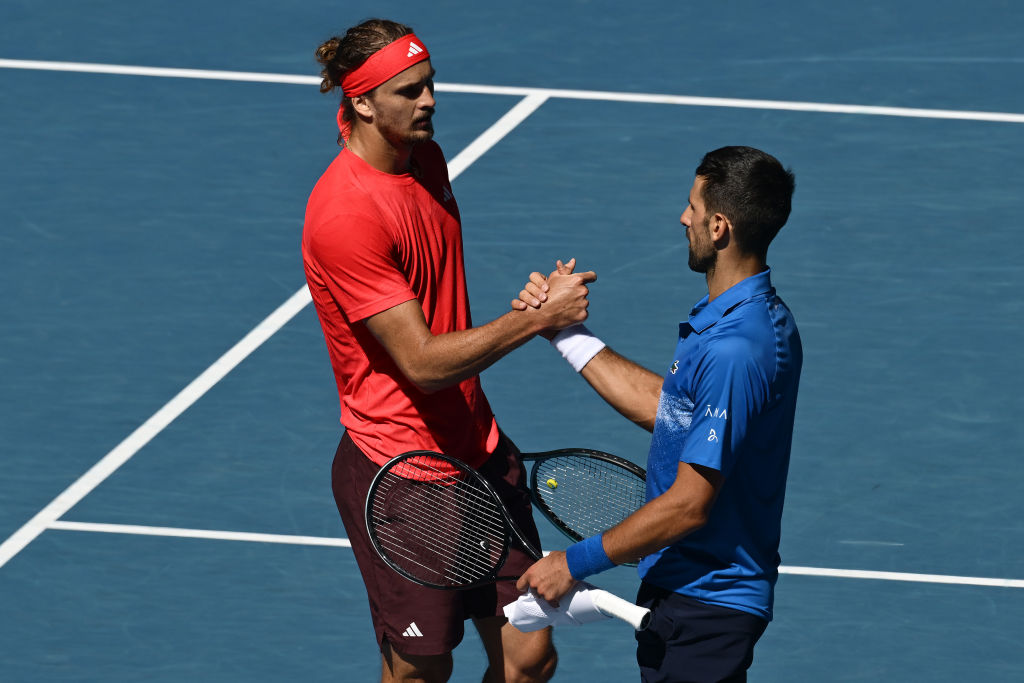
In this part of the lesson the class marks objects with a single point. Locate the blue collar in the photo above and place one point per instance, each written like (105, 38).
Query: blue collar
(705, 313)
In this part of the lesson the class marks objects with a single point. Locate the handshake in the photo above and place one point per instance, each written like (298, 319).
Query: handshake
(558, 300)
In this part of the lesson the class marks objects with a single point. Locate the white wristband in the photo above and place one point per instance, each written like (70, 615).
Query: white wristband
(578, 345)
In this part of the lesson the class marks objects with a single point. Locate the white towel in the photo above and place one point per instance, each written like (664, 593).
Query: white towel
(532, 612)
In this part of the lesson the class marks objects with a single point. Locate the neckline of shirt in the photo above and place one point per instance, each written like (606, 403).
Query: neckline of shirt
(706, 313)
(407, 178)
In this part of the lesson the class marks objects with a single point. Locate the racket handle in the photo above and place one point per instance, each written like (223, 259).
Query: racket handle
(612, 605)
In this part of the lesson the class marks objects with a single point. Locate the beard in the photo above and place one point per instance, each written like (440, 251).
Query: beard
(422, 131)
(703, 256)
(402, 134)
(702, 263)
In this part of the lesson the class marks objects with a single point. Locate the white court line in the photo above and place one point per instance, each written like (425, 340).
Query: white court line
(643, 98)
(157, 72)
(345, 543)
(740, 103)
(57, 508)
(500, 129)
(200, 533)
(903, 576)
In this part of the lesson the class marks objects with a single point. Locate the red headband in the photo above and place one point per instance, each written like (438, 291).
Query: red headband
(382, 65)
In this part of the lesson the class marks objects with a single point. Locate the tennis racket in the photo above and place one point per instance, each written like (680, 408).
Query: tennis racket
(584, 492)
(439, 523)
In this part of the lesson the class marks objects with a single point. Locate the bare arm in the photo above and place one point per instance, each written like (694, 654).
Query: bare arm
(433, 362)
(681, 510)
(631, 389)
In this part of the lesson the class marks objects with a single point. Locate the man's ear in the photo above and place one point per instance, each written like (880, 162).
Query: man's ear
(362, 106)
(720, 227)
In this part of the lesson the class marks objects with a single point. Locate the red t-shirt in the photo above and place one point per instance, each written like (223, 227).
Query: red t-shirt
(371, 241)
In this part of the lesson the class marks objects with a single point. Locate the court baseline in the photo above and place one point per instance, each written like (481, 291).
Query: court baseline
(641, 98)
(340, 542)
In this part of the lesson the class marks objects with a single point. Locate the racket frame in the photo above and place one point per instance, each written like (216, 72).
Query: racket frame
(512, 532)
(539, 503)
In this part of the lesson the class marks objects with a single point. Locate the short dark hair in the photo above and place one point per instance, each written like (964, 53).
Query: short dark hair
(339, 55)
(752, 189)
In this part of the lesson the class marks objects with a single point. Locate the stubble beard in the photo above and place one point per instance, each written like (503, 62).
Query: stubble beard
(702, 262)
(409, 135)
(420, 133)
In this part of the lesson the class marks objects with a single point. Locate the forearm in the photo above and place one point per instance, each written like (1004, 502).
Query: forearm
(443, 360)
(658, 524)
(629, 388)
(434, 362)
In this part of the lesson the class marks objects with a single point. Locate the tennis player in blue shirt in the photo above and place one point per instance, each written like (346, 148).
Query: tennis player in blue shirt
(707, 539)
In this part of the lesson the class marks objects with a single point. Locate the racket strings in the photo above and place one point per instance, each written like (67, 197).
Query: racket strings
(438, 558)
(448, 546)
(419, 514)
(587, 494)
(438, 524)
(412, 536)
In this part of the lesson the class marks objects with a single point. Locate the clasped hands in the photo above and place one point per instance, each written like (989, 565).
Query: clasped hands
(561, 297)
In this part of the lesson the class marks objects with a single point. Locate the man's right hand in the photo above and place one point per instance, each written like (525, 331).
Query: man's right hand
(560, 298)
(535, 292)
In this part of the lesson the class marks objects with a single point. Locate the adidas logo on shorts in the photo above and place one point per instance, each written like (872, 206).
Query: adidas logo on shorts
(413, 631)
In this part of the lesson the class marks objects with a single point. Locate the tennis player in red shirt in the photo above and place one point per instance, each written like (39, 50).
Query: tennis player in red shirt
(382, 251)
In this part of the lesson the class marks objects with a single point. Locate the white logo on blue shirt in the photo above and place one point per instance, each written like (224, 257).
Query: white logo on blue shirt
(719, 413)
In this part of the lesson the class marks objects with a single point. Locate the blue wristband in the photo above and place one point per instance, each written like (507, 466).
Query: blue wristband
(587, 557)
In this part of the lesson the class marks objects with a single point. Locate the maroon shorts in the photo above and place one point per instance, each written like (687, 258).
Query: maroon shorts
(414, 619)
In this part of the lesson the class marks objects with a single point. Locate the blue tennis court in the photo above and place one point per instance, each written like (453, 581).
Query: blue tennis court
(167, 409)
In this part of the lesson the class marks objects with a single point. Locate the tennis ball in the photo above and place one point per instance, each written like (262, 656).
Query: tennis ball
(552, 484)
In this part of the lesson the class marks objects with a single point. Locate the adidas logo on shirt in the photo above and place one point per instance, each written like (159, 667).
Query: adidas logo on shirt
(414, 49)
(448, 196)
(413, 631)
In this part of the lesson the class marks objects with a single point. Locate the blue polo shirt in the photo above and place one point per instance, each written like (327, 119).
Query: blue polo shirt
(728, 403)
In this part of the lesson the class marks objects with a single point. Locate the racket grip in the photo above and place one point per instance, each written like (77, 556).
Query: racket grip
(612, 605)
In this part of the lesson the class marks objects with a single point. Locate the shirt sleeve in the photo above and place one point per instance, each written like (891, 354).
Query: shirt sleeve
(729, 390)
(356, 257)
